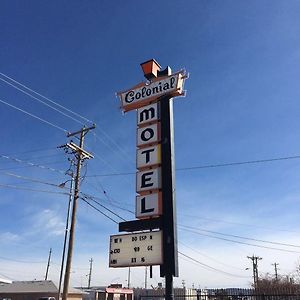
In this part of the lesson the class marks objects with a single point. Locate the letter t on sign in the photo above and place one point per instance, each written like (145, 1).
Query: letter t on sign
(147, 157)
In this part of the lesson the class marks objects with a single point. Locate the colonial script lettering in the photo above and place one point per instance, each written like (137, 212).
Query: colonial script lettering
(144, 93)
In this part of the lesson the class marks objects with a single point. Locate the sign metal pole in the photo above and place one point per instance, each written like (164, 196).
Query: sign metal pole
(170, 265)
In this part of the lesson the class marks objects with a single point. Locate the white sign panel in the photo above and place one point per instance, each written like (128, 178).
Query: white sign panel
(147, 157)
(147, 114)
(148, 135)
(148, 206)
(148, 180)
(137, 249)
(142, 94)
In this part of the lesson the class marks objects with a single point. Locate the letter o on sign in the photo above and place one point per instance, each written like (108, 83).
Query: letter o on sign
(147, 135)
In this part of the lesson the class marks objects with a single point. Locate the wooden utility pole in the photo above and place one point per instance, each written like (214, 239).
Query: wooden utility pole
(275, 267)
(145, 277)
(128, 281)
(255, 269)
(90, 273)
(80, 155)
(48, 264)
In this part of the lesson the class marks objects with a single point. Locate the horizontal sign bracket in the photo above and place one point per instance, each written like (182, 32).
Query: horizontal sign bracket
(139, 225)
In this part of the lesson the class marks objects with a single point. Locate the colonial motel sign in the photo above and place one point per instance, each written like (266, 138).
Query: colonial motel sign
(153, 236)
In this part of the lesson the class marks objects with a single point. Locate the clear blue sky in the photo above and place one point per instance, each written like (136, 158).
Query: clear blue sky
(242, 104)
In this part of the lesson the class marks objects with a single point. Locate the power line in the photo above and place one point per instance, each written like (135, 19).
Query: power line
(6, 277)
(111, 204)
(31, 179)
(112, 174)
(241, 237)
(209, 267)
(239, 163)
(243, 243)
(213, 259)
(208, 166)
(236, 223)
(117, 146)
(115, 214)
(34, 116)
(107, 163)
(44, 97)
(35, 150)
(21, 261)
(101, 212)
(31, 190)
(31, 164)
(47, 156)
(43, 102)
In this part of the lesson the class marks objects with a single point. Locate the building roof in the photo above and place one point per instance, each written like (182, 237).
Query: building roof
(45, 286)
(2, 280)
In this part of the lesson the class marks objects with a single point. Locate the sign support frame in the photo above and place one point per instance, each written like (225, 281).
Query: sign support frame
(170, 254)
(160, 89)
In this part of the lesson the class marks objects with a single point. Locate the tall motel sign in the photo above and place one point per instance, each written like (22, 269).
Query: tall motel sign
(153, 236)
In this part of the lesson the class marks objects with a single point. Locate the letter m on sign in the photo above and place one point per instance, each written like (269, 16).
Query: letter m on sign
(147, 114)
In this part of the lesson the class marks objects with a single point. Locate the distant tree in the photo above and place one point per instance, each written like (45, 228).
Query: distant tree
(269, 285)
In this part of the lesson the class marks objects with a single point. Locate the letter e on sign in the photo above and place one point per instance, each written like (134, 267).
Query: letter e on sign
(148, 180)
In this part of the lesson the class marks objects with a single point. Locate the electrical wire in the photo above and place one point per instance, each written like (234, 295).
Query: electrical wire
(239, 163)
(121, 152)
(207, 166)
(101, 212)
(9, 278)
(31, 164)
(85, 197)
(21, 261)
(31, 190)
(236, 223)
(213, 259)
(117, 146)
(243, 243)
(32, 180)
(44, 97)
(35, 150)
(240, 237)
(97, 156)
(43, 102)
(47, 156)
(34, 116)
(109, 198)
(111, 204)
(211, 268)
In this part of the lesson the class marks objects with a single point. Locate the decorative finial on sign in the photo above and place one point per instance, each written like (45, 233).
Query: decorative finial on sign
(150, 68)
